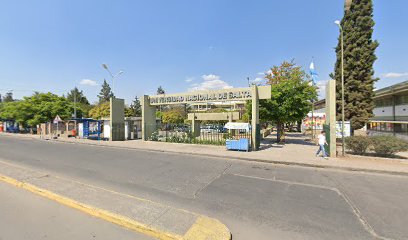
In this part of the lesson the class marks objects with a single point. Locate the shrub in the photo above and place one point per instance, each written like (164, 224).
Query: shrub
(154, 136)
(358, 144)
(227, 136)
(388, 145)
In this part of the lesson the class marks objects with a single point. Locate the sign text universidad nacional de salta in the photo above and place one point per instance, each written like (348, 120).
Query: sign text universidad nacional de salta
(233, 94)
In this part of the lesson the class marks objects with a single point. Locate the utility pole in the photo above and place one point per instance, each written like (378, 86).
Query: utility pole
(75, 111)
(342, 88)
(342, 95)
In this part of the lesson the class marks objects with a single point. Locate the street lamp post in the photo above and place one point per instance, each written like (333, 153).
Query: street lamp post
(105, 66)
(337, 22)
(75, 101)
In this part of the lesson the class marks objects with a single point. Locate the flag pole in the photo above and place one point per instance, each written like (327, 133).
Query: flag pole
(313, 122)
(313, 74)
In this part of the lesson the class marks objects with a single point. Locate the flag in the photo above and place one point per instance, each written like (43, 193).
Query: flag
(313, 73)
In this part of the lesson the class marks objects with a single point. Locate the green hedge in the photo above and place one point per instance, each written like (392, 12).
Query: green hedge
(381, 145)
(388, 145)
(358, 144)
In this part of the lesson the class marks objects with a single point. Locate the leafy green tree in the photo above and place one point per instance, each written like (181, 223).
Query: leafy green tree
(106, 93)
(359, 58)
(159, 114)
(77, 96)
(8, 97)
(291, 99)
(128, 112)
(38, 108)
(174, 116)
(100, 111)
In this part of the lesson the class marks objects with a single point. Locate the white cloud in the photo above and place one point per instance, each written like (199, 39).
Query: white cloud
(211, 82)
(189, 79)
(88, 82)
(395, 75)
(257, 80)
(210, 77)
(269, 71)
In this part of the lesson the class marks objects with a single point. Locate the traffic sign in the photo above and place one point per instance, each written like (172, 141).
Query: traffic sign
(57, 119)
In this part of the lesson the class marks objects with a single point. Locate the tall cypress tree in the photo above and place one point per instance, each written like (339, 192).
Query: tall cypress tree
(359, 58)
(136, 107)
(106, 93)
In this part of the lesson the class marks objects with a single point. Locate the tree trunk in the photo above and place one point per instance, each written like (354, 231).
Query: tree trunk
(279, 132)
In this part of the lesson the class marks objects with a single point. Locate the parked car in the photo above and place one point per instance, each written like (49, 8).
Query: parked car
(208, 129)
(182, 129)
(221, 129)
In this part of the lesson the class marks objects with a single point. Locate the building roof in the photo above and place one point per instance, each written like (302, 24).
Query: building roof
(320, 104)
(398, 88)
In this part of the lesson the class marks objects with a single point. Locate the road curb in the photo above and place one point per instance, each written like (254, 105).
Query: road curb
(309, 165)
(204, 228)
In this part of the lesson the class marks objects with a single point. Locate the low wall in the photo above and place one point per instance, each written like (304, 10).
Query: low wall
(265, 132)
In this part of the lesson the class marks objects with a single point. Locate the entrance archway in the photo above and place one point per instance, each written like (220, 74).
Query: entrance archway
(254, 93)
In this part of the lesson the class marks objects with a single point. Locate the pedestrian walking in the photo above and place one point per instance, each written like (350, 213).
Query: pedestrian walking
(322, 141)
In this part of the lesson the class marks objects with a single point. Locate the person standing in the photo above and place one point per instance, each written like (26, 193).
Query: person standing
(322, 141)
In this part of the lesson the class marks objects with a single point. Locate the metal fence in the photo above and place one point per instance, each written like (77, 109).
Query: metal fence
(209, 134)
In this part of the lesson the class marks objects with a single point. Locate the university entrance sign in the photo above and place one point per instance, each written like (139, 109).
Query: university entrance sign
(233, 94)
(253, 93)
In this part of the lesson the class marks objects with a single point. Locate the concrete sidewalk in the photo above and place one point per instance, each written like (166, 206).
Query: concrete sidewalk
(296, 152)
(138, 214)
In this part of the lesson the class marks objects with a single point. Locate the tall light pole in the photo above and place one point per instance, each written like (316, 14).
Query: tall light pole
(337, 22)
(75, 101)
(105, 66)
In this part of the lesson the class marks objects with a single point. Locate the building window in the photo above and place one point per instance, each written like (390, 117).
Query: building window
(401, 100)
(383, 102)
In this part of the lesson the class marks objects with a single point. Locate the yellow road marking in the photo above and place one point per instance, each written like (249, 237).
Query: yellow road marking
(207, 228)
(204, 228)
(96, 212)
(101, 188)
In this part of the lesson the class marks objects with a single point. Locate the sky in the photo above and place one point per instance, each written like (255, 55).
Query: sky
(181, 45)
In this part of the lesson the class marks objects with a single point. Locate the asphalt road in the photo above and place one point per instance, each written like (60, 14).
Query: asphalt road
(255, 200)
(26, 216)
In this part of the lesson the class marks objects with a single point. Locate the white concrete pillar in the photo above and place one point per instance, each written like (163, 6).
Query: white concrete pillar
(148, 118)
(255, 119)
(331, 116)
